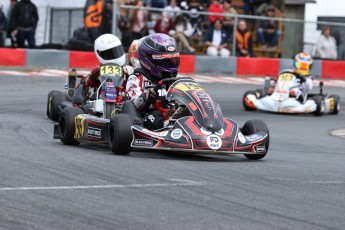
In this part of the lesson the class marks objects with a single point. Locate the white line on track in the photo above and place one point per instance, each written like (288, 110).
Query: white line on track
(173, 182)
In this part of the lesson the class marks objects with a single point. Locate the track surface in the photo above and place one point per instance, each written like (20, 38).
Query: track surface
(46, 185)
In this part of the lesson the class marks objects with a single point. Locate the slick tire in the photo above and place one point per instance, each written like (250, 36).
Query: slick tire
(336, 107)
(120, 134)
(320, 105)
(254, 126)
(244, 102)
(54, 100)
(67, 125)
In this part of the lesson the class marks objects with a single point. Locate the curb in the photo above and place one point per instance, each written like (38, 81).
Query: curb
(65, 59)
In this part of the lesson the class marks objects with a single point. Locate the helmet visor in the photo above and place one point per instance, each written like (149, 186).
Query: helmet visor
(112, 53)
(167, 61)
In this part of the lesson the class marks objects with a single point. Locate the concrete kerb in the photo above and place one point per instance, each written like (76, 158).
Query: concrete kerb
(47, 58)
(215, 65)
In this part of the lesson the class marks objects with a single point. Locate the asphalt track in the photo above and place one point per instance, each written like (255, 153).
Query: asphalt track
(300, 184)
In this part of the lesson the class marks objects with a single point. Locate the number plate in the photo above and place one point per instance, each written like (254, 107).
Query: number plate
(111, 70)
(286, 77)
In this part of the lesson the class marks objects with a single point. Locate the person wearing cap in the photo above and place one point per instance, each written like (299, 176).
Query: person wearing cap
(267, 32)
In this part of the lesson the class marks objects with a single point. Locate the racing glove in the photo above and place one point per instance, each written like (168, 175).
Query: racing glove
(150, 96)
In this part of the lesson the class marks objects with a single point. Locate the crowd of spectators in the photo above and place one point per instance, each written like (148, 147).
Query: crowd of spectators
(216, 30)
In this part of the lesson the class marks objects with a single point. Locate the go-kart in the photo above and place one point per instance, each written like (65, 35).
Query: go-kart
(202, 130)
(74, 94)
(283, 97)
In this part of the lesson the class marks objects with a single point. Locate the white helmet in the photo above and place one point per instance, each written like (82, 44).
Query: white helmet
(109, 49)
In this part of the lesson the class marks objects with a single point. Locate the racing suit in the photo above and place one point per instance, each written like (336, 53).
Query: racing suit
(91, 81)
(139, 88)
(305, 85)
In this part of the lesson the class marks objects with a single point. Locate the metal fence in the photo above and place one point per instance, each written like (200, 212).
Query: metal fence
(63, 21)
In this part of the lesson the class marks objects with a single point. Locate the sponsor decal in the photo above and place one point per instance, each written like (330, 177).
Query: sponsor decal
(214, 142)
(260, 149)
(159, 134)
(241, 138)
(171, 48)
(79, 126)
(176, 134)
(94, 132)
(148, 84)
(254, 137)
(143, 142)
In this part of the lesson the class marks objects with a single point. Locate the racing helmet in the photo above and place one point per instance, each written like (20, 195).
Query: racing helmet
(133, 58)
(109, 49)
(158, 55)
(303, 63)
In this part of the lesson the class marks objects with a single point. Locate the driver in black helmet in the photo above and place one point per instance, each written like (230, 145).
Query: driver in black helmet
(158, 58)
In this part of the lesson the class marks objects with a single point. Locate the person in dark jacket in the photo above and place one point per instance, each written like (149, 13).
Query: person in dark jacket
(24, 19)
(216, 41)
(3, 23)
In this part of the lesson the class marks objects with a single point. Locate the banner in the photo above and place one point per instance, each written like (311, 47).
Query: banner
(93, 16)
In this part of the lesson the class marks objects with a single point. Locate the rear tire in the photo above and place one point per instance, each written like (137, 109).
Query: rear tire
(254, 126)
(245, 103)
(336, 104)
(320, 105)
(120, 134)
(54, 101)
(67, 125)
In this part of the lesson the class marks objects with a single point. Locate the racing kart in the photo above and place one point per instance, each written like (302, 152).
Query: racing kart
(202, 130)
(283, 98)
(74, 94)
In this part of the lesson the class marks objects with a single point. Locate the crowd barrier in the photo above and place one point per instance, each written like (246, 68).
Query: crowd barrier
(63, 59)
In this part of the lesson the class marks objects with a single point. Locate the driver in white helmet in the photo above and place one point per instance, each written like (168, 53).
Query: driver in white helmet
(108, 50)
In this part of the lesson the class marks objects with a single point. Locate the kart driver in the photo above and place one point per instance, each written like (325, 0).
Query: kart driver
(109, 50)
(301, 68)
(159, 59)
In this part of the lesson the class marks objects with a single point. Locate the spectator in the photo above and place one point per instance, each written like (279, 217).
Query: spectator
(157, 3)
(138, 21)
(244, 44)
(267, 32)
(326, 47)
(173, 10)
(183, 30)
(216, 40)
(228, 21)
(3, 25)
(253, 6)
(108, 17)
(215, 7)
(24, 21)
(9, 35)
(164, 24)
(194, 17)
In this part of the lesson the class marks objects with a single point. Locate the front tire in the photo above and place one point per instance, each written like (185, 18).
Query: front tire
(120, 134)
(54, 101)
(247, 104)
(252, 127)
(320, 105)
(336, 107)
(67, 125)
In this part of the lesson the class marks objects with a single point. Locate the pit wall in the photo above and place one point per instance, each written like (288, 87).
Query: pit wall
(190, 64)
